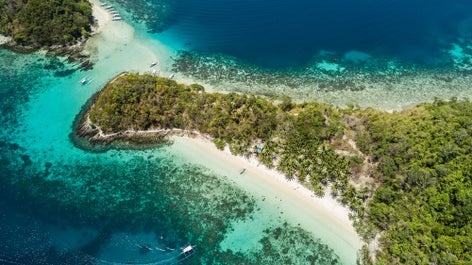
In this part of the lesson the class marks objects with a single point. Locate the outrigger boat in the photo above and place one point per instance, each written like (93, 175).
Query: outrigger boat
(187, 252)
(83, 81)
(242, 171)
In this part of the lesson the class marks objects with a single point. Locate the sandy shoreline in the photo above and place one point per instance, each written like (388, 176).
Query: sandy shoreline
(118, 44)
(338, 212)
(101, 15)
(324, 217)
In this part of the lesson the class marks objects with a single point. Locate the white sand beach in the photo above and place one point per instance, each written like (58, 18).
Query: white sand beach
(116, 45)
(101, 15)
(119, 46)
(324, 217)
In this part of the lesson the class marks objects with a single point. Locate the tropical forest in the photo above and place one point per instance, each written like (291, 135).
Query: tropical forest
(406, 175)
(44, 23)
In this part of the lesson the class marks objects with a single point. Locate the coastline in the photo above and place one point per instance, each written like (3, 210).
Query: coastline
(74, 51)
(119, 44)
(323, 217)
(101, 15)
(338, 213)
(49, 144)
(4, 39)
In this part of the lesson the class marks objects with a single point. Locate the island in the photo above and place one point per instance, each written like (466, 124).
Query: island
(406, 175)
(59, 26)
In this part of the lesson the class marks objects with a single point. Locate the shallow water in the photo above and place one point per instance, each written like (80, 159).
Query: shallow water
(389, 55)
(64, 205)
(283, 34)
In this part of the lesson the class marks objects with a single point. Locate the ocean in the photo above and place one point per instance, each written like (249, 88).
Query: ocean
(61, 204)
(338, 52)
(65, 205)
(282, 34)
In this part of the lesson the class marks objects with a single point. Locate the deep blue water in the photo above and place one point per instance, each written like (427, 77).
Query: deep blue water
(63, 205)
(60, 204)
(281, 33)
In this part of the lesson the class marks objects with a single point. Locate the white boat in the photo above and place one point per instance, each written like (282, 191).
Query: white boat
(83, 81)
(153, 64)
(171, 76)
(187, 250)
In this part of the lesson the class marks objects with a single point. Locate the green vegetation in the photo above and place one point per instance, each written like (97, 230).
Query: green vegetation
(419, 161)
(424, 202)
(39, 23)
(295, 141)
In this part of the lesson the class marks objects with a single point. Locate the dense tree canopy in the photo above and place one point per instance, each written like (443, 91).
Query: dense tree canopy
(421, 157)
(38, 23)
(424, 203)
(295, 137)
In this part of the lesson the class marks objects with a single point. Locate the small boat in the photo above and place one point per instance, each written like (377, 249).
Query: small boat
(242, 171)
(118, 18)
(83, 81)
(186, 252)
(153, 64)
(171, 76)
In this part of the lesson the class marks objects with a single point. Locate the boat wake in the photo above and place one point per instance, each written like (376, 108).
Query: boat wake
(172, 256)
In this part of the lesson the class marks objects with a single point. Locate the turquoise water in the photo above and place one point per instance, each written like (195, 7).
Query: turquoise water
(339, 52)
(64, 205)
(290, 34)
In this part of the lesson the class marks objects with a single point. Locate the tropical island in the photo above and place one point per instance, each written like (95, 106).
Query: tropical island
(405, 175)
(53, 25)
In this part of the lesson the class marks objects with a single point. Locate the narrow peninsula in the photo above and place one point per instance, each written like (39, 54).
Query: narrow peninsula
(406, 176)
